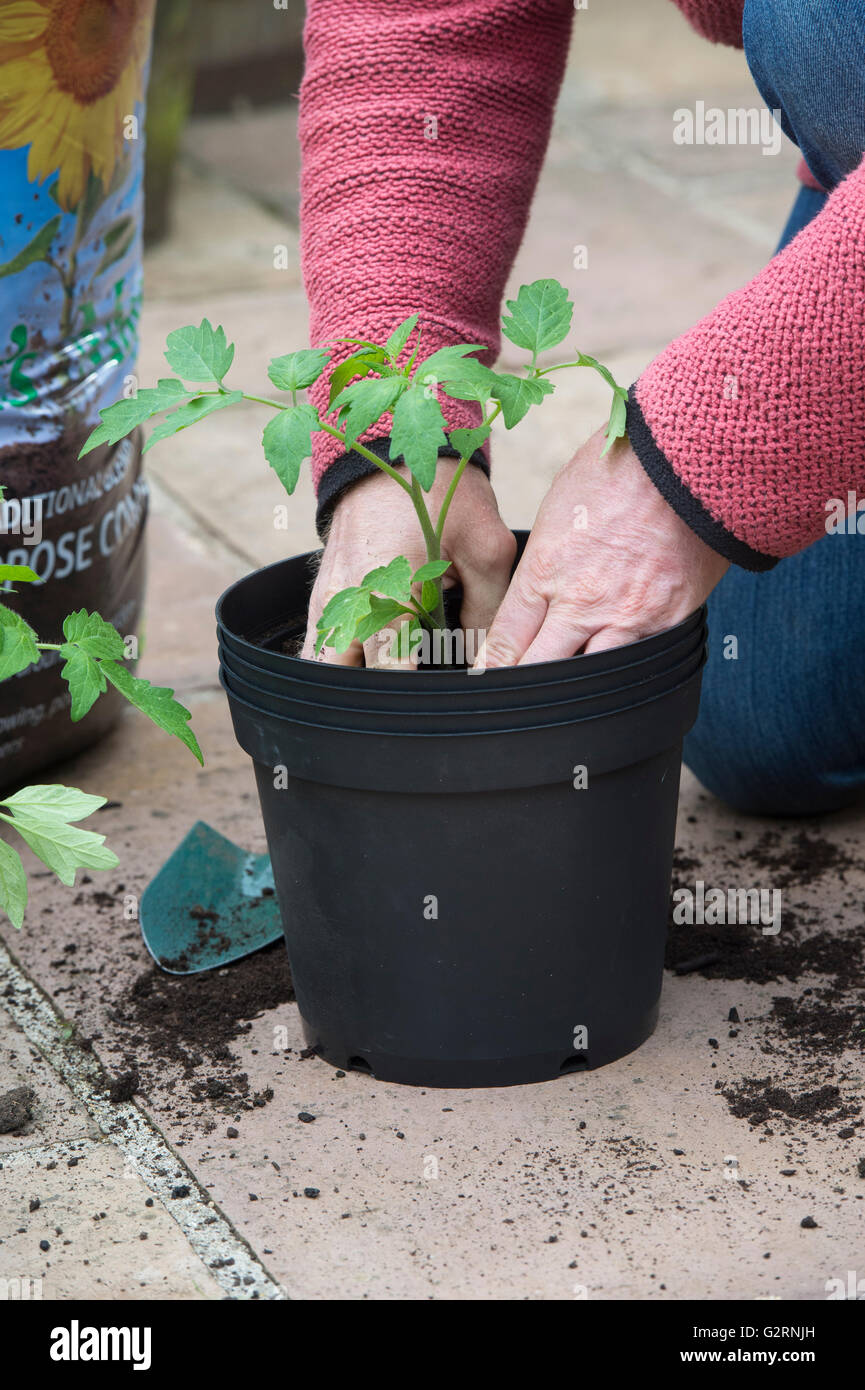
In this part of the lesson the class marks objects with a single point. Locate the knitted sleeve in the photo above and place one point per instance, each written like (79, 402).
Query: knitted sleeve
(718, 20)
(423, 124)
(750, 423)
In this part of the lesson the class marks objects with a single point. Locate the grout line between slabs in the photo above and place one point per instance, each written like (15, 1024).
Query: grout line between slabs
(227, 1256)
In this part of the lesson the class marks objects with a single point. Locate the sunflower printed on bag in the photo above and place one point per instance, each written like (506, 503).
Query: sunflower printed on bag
(72, 83)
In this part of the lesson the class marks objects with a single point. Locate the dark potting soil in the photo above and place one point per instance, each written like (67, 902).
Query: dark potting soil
(733, 951)
(806, 1036)
(191, 1020)
(759, 1099)
(213, 931)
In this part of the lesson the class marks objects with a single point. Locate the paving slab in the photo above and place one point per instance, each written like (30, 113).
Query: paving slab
(221, 241)
(253, 150)
(56, 1114)
(93, 1234)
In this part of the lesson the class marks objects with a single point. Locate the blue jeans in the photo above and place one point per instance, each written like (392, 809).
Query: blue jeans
(781, 729)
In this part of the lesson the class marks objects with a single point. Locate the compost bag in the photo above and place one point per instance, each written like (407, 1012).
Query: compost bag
(72, 81)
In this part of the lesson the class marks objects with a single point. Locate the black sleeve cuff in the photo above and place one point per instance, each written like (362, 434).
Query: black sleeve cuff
(683, 502)
(350, 468)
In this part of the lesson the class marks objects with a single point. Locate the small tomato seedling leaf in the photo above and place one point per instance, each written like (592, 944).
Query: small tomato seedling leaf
(190, 414)
(156, 701)
(475, 382)
(18, 574)
(429, 595)
(120, 419)
(446, 362)
(53, 799)
(287, 441)
(297, 370)
(393, 580)
(93, 634)
(85, 679)
(584, 360)
(361, 364)
(540, 316)
(18, 648)
(63, 848)
(400, 336)
(467, 441)
(364, 402)
(199, 354)
(13, 885)
(417, 434)
(433, 569)
(337, 624)
(381, 612)
(617, 423)
(517, 394)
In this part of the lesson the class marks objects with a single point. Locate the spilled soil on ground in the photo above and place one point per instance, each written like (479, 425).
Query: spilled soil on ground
(811, 1037)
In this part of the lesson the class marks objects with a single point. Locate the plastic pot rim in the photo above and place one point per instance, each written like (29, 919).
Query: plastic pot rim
(263, 714)
(478, 687)
(681, 670)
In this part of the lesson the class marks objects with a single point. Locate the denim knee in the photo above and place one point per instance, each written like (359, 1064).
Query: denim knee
(762, 770)
(807, 58)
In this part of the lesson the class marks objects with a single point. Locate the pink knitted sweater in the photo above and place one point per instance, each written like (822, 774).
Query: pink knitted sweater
(423, 127)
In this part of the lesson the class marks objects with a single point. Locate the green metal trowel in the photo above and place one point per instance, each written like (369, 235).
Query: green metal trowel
(211, 903)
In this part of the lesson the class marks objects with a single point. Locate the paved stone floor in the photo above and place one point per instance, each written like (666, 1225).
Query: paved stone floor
(683, 1171)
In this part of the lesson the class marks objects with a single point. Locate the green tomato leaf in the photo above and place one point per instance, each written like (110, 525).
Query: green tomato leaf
(337, 624)
(13, 884)
(475, 382)
(541, 316)
(62, 848)
(53, 799)
(446, 362)
(400, 336)
(190, 414)
(467, 441)
(518, 393)
(417, 434)
(297, 370)
(584, 360)
(617, 423)
(393, 580)
(364, 402)
(122, 417)
(433, 569)
(407, 638)
(156, 701)
(93, 634)
(361, 364)
(360, 342)
(199, 354)
(287, 441)
(18, 648)
(17, 574)
(429, 595)
(85, 679)
(381, 612)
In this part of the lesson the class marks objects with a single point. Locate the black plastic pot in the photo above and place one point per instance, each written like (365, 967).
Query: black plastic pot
(457, 911)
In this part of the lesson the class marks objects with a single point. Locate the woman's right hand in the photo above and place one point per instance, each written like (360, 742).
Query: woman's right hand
(374, 521)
